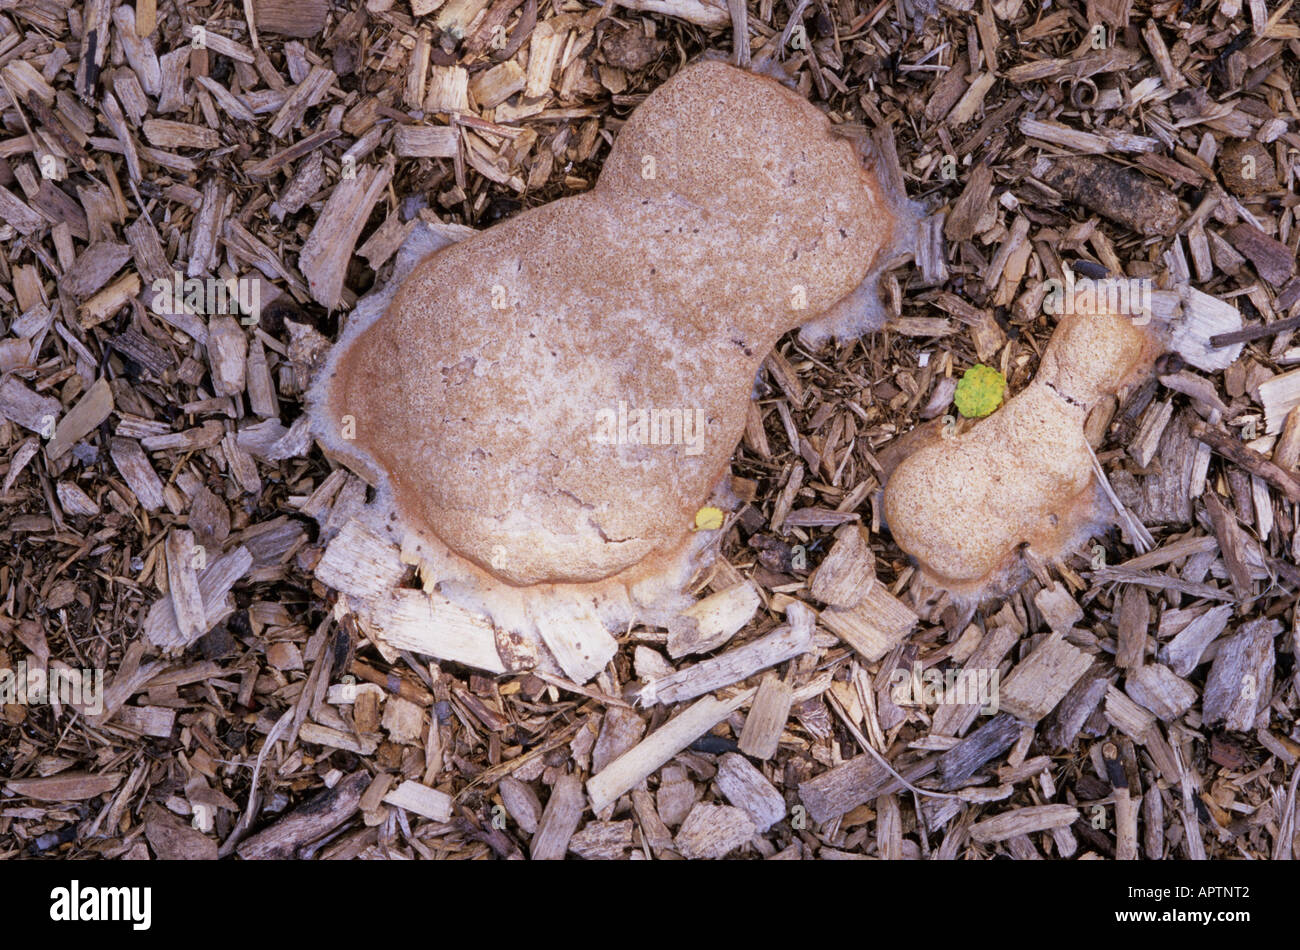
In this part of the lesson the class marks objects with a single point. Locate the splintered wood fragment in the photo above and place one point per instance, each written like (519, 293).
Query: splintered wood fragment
(1132, 620)
(261, 388)
(183, 583)
(543, 53)
(1279, 396)
(122, 131)
(878, 623)
(1126, 830)
(74, 500)
(972, 100)
(521, 803)
(384, 241)
(850, 784)
(1232, 545)
(654, 832)
(428, 623)
(418, 72)
(65, 787)
(299, 18)
(1273, 259)
(422, 800)
(494, 86)
(1240, 684)
(94, 267)
(107, 302)
(225, 46)
(1067, 720)
(711, 832)
(305, 95)
(1039, 682)
(96, 20)
(24, 81)
(203, 236)
(360, 562)
(1257, 332)
(156, 721)
(84, 418)
(1146, 443)
(1160, 690)
(130, 677)
(307, 145)
(713, 620)
(987, 742)
(36, 319)
(1153, 823)
(456, 16)
(232, 105)
(848, 572)
(1023, 821)
(1184, 652)
(676, 795)
(780, 645)
(426, 141)
(327, 251)
(950, 88)
(953, 719)
(313, 733)
(173, 839)
(227, 355)
(1117, 192)
(23, 407)
(581, 644)
(1055, 133)
(15, 212)
(1122, 575)
(1243, 455)
(202, 437)
(745, 787)
(1195, 321)
(1128, 717)
(166, 133)
(603, 840)
(559, 820)
(767, 717)
(448, 90)
(643, 759)
(620, 730)
(1263, 504)
(1058, 608)
(293, 835)
(161, 627)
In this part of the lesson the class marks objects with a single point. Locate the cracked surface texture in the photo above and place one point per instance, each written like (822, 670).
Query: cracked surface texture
(964, 506)
(727, 213)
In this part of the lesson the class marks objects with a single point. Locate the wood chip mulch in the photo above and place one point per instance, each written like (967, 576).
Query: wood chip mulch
(163, 511)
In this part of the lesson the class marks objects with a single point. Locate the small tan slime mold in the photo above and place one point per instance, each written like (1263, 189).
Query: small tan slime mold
(964, 506)
(546, 404)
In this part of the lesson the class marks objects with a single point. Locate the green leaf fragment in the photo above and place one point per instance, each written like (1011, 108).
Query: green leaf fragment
(980, 391)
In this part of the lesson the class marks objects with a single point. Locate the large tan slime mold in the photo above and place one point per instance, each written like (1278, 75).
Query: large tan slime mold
(492, 392)
(967, 506)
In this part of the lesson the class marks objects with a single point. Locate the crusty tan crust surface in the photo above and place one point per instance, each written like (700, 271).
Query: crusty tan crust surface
(964, 506)
(726, 214)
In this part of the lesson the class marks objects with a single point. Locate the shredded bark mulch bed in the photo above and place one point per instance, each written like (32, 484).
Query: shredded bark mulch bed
(163, 510)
